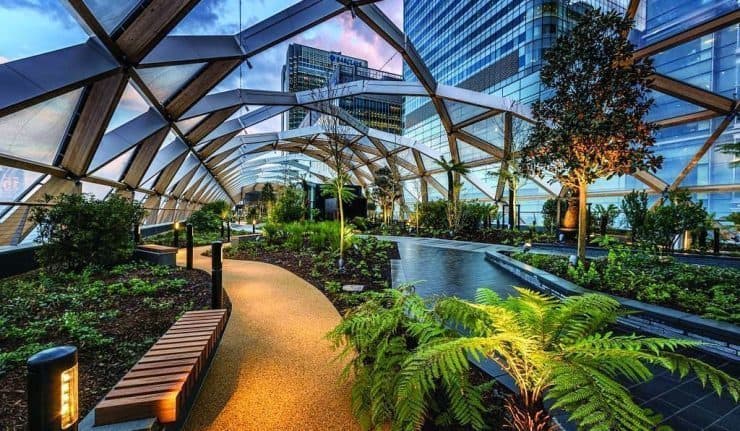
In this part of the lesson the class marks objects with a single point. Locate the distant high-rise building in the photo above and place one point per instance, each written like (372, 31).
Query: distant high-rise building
(307, 68)
(497, 47)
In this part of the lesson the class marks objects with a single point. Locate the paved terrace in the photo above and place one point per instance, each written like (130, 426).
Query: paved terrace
(459, 268)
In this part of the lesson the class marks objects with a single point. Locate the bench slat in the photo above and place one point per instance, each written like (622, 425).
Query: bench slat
(160, 383)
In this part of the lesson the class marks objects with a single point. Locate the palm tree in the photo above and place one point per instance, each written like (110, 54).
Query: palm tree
(452, 169)
(553, 350)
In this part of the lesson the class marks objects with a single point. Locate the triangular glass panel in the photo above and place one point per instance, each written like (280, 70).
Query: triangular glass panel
(114, 170)
(131, 105)
(190, 162)
(469, 153)
(404, 172)
(490, 130)
(186, 126)
(35, 133)
(682, 17)
(99, 191)
(164, 81)
(110, 14)
(171, 148)
(460, 112)
(679, 144)
(31, 28)
(666, 107)
(14, 183)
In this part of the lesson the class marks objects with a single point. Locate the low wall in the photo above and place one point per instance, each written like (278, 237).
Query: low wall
(720, 338)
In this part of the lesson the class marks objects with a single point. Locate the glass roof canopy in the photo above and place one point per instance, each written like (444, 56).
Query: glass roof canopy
(132, 105)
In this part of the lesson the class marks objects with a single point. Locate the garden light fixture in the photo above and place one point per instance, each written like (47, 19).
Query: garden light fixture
(53, 383)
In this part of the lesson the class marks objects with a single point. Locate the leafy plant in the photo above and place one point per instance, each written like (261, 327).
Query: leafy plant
(79, 230)
(337, 189)
(555, 350)
(378, 338)
(593, 124)
(289, 206)
(635, 208)
(550, 213)
(386, 189)
(677, 214)
(453, 169)
(604, 217)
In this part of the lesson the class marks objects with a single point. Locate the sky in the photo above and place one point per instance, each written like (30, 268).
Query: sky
(32, 27)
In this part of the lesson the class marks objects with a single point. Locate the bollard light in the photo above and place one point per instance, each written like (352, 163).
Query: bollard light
(254, 226)
(176, 235)
(53, 383)
(526, 247)
(189, 246)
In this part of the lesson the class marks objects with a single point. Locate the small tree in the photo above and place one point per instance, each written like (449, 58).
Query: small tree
(267, 198)
(635, 208)
(550, 213)
(453, 170)
(79, 230)
(675, 215)
(288, 206)
(592, 126)
(386, 190)
(604, 216)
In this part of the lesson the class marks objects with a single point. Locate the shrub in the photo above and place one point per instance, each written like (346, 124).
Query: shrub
(433, 215)
(550, 213)
(289, 206)
(205, 221)
(677, 214)
(80, 230)
(473, 214)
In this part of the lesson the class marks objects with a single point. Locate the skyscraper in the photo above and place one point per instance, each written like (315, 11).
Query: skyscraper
(497, 47)
(307, 68)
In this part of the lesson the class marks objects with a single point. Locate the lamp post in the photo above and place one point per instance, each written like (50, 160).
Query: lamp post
(217, 288)
(53, 390)
(189, 245)
(176, 235)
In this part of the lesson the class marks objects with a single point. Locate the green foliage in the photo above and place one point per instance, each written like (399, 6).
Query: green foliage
(80, 230)
(378, 338)
(676, 215)
(41, 309)
(433, 215)
(635, 208)
(604, 216)
(360, 223)
(550, 213)
(473, 214)
(703, 290)
(558, 346)
(289, 206)
(296, 236)
(386, 190)
(204, 222)
(593, 125)
(734, 218)
(210, 216)
(200, 238)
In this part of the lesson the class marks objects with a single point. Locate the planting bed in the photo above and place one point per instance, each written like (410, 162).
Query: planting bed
(112, 316)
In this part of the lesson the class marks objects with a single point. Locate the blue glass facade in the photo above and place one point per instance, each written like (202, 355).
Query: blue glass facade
(496, 47)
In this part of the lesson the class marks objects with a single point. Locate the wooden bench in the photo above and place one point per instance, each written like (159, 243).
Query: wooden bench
(156, 254)
(167, 377)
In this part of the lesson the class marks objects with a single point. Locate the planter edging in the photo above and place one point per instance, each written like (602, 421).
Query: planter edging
(721, 337)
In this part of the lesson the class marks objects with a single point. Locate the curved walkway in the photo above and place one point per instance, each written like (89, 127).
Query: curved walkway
(273, 370)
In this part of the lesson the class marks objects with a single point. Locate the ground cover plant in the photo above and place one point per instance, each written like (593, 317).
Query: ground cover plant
(412, 371)
(705, 290)
(310, 250)
(199, 238)
(113, 316)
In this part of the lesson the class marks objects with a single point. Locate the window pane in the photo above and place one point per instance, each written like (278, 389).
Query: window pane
(35, 133)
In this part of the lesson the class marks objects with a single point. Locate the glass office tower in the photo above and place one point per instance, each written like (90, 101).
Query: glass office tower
(307, 68)
(496, 47)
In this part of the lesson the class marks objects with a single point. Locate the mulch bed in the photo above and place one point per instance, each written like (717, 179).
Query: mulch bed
(302, 263)
(133, 333)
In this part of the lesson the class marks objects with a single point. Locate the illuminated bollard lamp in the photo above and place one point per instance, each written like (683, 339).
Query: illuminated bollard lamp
(176, 234)
(53, 390)
(254, 225)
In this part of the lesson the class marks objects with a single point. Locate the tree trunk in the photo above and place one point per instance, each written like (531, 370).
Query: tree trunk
(582, 220)
(450, 192)
(340, 191)
(524, 417)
